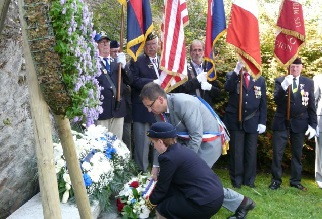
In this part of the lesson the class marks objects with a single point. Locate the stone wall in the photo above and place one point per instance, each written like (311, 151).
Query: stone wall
(18, 170)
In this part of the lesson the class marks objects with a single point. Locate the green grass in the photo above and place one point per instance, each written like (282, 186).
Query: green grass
(284, 203)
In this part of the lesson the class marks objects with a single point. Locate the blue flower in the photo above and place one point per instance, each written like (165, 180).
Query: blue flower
(133, 201)
(109, 152)
(87, 179)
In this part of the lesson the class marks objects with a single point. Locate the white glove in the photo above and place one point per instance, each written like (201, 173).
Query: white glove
(205, 85)
(157, 81)
(202, 77)
(287, 81)
(310, 131)
(239, 65)
(261, 128)
(121, 59)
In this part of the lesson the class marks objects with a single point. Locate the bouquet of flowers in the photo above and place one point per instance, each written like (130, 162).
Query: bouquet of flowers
(131, 200)
(102, 157)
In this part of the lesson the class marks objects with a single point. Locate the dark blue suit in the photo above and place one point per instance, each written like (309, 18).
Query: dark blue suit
(302, 114)
(192, 85)
(109, 100)
(143, 72)
(243, 137)
(186, 186)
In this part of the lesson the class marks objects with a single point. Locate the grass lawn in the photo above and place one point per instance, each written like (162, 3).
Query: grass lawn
(285, 203)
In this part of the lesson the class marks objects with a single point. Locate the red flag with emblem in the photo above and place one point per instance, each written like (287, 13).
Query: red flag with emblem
(290, 32)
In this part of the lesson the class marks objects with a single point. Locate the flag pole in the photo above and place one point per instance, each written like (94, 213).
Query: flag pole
(119, 79)
(240, 102)
(288, 106)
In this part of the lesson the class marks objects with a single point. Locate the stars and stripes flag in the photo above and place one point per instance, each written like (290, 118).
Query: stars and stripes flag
(243, 34)
(139, 25)
(173, 62)
(290, 35)
(216, 27)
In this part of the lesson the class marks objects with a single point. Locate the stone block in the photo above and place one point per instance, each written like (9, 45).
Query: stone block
(33, 210)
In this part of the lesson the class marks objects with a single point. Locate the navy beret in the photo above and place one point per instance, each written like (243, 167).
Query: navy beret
(162, 130)
(297, 61)
(114, 44)
(101, 35)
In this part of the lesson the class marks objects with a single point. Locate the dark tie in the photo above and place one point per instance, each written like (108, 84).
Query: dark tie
(246, 79)
(294, 86)
(155, 62)
(107, 65)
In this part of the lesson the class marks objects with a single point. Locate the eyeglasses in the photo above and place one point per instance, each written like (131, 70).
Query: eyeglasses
(151, 105)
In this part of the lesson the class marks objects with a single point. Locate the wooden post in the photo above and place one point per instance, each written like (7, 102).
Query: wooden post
(240, 101)
(47, 173)
(4, 5)
(73, 167)
(43, 136)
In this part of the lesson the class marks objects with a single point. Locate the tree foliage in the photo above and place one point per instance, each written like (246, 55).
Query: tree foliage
(107, 17)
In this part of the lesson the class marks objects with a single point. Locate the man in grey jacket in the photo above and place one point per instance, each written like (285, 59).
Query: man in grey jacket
(198, 129)
(318, 147)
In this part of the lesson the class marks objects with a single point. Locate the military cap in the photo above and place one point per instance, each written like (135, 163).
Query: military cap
(297, 61)
(151, 36)
(101, 35)
(114, 44)
(162, 130)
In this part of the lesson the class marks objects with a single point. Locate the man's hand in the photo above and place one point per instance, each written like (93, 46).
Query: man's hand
(121, 59)
(287, 81)
(310, 132)
(205, 85)
(202, 77)
(261, 128)
(154, 173)
(239, 65)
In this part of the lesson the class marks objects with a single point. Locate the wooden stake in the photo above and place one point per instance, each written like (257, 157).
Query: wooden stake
(43, 136)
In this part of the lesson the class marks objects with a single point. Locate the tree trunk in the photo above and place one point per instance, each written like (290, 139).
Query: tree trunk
(43, 136)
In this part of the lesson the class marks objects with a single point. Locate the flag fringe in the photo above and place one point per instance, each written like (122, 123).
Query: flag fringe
(292, 33)
(240, 52)
(292, 59)
(169, 88)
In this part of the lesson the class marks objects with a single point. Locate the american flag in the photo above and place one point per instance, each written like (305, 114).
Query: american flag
(173, 63)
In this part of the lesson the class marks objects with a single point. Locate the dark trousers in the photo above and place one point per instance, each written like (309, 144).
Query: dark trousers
(280, 139)
(243, 157)
(176, 206)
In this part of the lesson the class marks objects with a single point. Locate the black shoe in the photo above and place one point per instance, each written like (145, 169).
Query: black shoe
(299, 186)
(274, 185)
(251, 185)
(243, 209)
(236, 186)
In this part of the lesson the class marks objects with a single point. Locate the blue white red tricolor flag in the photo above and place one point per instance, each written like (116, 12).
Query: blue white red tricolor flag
(216, 27)
(139, 25)
(290, 35)
(243, 34)
(173, 62)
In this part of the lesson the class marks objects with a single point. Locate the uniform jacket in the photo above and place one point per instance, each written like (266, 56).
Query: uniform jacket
(195, 121)
(190, 87)
(183, 170)
(302, 108)
(143, 72)
(254, 108)
(109, 99)
(318, 99)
